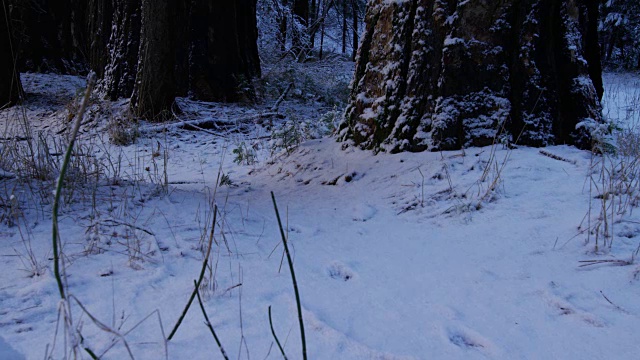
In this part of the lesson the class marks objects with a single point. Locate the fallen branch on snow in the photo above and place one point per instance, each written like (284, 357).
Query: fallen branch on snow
(281, 98)
(556, 157)
(239, 124)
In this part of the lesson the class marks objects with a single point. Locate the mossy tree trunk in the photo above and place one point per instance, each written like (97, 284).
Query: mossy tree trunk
(448, 74)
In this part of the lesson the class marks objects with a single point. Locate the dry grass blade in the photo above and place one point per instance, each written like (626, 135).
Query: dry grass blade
(273, 332)
(293, 279)
(208, 322)
(103, 327)
(606, 262)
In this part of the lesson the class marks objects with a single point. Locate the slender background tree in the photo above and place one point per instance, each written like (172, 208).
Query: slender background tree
(51, 35)
(620, 33)
(224, 53)
(10, 86)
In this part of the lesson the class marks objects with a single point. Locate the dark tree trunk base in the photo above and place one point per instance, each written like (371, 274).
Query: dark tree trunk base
(441, 75)
(155, 87)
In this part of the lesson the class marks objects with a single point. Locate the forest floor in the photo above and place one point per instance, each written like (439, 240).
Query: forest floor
(484, 253)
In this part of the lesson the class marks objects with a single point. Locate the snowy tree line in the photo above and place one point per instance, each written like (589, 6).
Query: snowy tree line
(152, 51)
(200, 48)
(620, 33)
(304, 28)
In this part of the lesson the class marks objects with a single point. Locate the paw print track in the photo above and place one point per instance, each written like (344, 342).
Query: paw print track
(340, 271)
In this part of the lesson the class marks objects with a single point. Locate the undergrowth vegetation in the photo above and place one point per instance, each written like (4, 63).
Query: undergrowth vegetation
(614, 175)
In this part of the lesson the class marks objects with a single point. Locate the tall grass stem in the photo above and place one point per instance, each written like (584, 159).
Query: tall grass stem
(293, 278)
(65, 164)
(202, 271)
(273, 332)
(208, 323)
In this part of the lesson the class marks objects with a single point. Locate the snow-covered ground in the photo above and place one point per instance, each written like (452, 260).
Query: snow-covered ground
(456, 255)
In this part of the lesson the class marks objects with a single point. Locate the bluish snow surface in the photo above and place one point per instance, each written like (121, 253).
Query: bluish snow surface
(469, 254)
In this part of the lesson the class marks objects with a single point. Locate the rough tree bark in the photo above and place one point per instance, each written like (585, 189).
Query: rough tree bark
(122, 50)
(224, 56)
(447, 74)
(99, 17)
(10, 86)
(155, 85)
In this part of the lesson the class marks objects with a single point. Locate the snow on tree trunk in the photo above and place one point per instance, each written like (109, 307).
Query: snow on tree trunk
(155, 85)
(122, 50)
(447, 74)
(224, 56)
(10, 86)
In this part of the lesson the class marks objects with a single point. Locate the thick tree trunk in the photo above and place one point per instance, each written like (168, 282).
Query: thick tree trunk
(99, 17)
(155, 86)
(122, 50)
(183, 47)
(10, 86)
(589, 22)
(224, 57)
(439, 75)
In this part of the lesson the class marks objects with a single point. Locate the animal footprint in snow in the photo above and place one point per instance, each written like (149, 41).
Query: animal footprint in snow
(340, 271)
(463, 341)
(465, 338)
(564, 305)
(363, 212)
